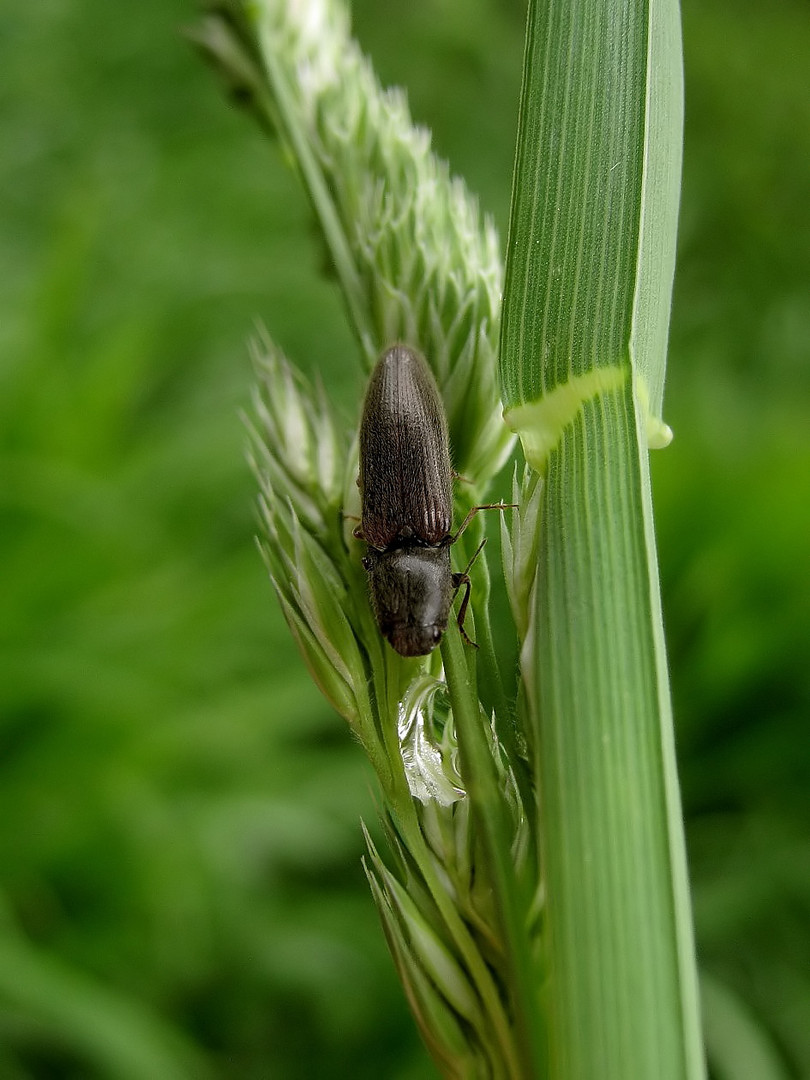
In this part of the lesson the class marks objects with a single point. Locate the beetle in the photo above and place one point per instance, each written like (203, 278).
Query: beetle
(406, 499)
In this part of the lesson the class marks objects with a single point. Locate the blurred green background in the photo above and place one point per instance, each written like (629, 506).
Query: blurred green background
(180, 884)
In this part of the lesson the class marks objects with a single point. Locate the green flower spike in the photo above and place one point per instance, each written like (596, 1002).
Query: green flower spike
(415, 263)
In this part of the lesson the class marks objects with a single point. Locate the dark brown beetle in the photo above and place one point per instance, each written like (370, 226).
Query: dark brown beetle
(407, 504)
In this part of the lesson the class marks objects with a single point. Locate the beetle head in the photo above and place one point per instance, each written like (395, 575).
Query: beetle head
(411, 593)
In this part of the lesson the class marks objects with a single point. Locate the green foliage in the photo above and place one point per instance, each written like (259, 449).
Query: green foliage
(178, 809)
(597, 179)
(590, 260)
(413, 261)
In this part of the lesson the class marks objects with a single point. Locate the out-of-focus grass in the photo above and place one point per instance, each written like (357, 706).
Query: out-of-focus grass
(733, 510)
(178, 810)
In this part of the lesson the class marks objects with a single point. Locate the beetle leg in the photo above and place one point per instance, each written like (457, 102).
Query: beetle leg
(478, 551)
(463, 579)
(458, 581)
(474, 511)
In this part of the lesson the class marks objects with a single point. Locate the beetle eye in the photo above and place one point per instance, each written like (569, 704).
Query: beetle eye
(366, 562)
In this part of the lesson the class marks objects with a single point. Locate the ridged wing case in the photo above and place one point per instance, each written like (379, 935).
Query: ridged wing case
(405, 471)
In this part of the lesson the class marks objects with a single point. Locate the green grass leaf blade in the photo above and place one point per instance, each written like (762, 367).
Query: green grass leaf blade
(660, 196)
(586, 309)
(620, 948)
(592, 234)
